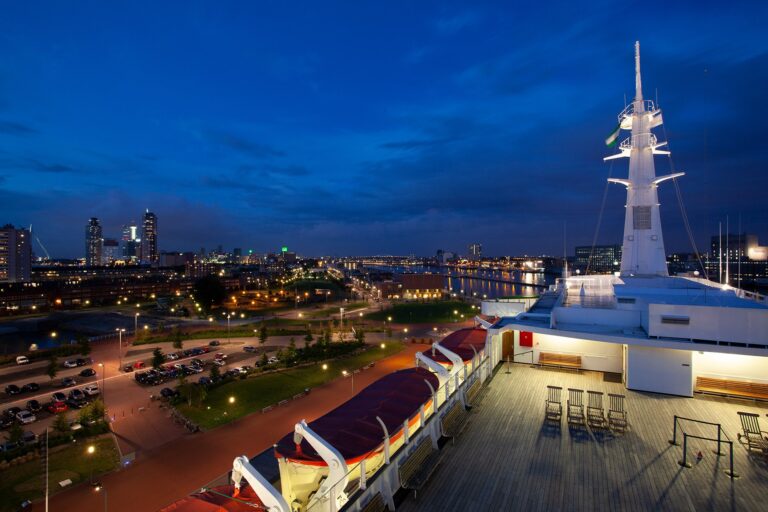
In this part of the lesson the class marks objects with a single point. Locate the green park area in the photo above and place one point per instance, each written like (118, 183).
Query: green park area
(425, 312)
(239, 398)
(71, 461)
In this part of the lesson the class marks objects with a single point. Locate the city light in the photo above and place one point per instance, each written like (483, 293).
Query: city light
(231, 399)
(91, 449)
(325, 366)
(383, 345)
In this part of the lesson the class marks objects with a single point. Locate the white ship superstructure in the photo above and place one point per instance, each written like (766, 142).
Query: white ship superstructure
(663, 334)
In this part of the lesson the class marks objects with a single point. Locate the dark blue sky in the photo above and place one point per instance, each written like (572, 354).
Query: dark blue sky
(361, 127)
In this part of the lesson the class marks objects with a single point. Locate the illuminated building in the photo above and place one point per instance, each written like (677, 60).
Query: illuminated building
(15, 254)
(93, 239)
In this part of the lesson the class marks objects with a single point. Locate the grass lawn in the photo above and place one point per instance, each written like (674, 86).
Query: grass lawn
(27, 481)
(417, 312)
(255, 393)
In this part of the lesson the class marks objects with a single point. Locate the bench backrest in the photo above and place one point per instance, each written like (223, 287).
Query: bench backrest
(595, 399)
(749, 422)
(617, 402)
(553, 394)
(575, 397)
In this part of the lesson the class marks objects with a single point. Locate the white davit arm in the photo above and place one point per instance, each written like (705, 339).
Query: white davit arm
(337, 467)
(454, 358)
(485, 324)
(272, 500)
(440, 370)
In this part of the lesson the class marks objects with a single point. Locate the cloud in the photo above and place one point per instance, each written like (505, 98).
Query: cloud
(275, 170)
(243, 145)
(17, 129)
(417, 143)
(32, 164)
(457, 22)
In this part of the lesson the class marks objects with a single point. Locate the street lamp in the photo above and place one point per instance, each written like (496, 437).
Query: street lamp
(345, 373)
(136, 324)
(229, 315)
(120, 348)
(103, 368)
(90, 451)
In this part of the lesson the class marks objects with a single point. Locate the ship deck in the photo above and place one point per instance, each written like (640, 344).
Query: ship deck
(509, 459)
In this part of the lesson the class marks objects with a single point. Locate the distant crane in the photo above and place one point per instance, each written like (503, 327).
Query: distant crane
(47, 256)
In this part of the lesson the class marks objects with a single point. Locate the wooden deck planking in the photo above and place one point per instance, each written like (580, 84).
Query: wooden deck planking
(509, 459)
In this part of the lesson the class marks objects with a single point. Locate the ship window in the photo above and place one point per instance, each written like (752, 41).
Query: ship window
(676, 320)
(625, 300)
(641, 217)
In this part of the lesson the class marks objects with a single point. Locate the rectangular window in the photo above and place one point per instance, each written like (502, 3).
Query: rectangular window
(676, 320)
(625, 300)
(641, 217)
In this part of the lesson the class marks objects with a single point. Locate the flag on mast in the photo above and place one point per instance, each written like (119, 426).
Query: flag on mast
(610, 141)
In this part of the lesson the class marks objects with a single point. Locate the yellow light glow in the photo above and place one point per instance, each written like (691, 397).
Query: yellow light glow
(91, 449)
(383, 345)
(325, 367)
(231, 399)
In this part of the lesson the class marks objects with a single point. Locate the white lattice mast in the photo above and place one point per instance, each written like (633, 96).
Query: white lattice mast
(643, 243)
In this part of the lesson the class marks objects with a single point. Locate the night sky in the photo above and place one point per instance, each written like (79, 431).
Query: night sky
(372, 128)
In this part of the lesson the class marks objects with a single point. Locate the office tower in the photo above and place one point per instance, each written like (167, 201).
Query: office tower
(149, 252)
(475, 252)
(93, 242)
(15, 254)
(605, 259)
(131, 242)
(110, 251)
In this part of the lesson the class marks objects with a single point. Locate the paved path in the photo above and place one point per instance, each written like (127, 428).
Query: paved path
(173, 470)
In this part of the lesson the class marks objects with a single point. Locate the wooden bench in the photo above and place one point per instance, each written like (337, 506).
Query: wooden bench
(473, 391)
(419, 466)
(454, 421)
(559, 360)
(729, 387)
(375, 504)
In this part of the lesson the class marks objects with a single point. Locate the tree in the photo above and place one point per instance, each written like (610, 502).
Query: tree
(327, 337)
(178, 338)
(60, 424)
(209, 291)
(194, 394)
(15, 433)
(215, 373)
(97, 410)
(263, 334)
(53, 367)
(157, 358)
(85, 346)
(264, 359)
(360, 336)
(290, 353)
(308, 338)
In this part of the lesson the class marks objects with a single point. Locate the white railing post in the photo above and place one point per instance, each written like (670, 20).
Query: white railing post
(363, 480)
(386, 440)
(406, 434)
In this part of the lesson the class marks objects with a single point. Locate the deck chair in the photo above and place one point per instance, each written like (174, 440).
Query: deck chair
(553, 407)
(617, 416)
(595, 411)
(576, 407)
(750, 427)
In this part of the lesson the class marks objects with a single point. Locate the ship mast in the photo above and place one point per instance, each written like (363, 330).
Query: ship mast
(643, 244)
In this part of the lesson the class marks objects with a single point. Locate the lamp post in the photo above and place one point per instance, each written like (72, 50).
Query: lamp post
(345, 373)
(120, 348)
(103, 389)
(47, 457)
(136, 325)
(100, 488)
(90, 451)
(229, 315)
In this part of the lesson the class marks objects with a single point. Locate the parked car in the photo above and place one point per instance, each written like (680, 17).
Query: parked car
(8, 446)
(77, 394)
(25, 417)
(220, 355)
(28, 437)
(67, 382)
(249, 348)
(197, 362)
(34, 406)
(12, 389)
(88, 372)
(91, 390)
(74, 404)
(70, 363)
(12, 412)
(58, 397)
(168, 392)
(273, 360)
(128, 368)
(57, 407)
(214, 343)
(31, 387)
(6, 422)
(219, 362)
(75, 425)
(204, 381)
(22, 360)
(171, 357)
(81, 361)
(138, 365)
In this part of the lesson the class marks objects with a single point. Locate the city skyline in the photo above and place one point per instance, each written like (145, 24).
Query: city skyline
(258, 127)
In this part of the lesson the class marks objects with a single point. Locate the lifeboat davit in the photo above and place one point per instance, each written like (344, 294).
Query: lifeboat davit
(218, 499)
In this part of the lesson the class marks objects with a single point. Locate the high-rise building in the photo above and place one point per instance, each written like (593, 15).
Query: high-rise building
(15, 254)
(93, 239)
(740, 261)
(149, 251)
(605, 259)
(131, 242)
(475, 252)
(110, 251)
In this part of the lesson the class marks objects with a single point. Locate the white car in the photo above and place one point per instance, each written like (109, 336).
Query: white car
(171, 357)
(91, 390)
(219, 362)
(273, 360)
(70, 363)
(25, 417)
(22, 360)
